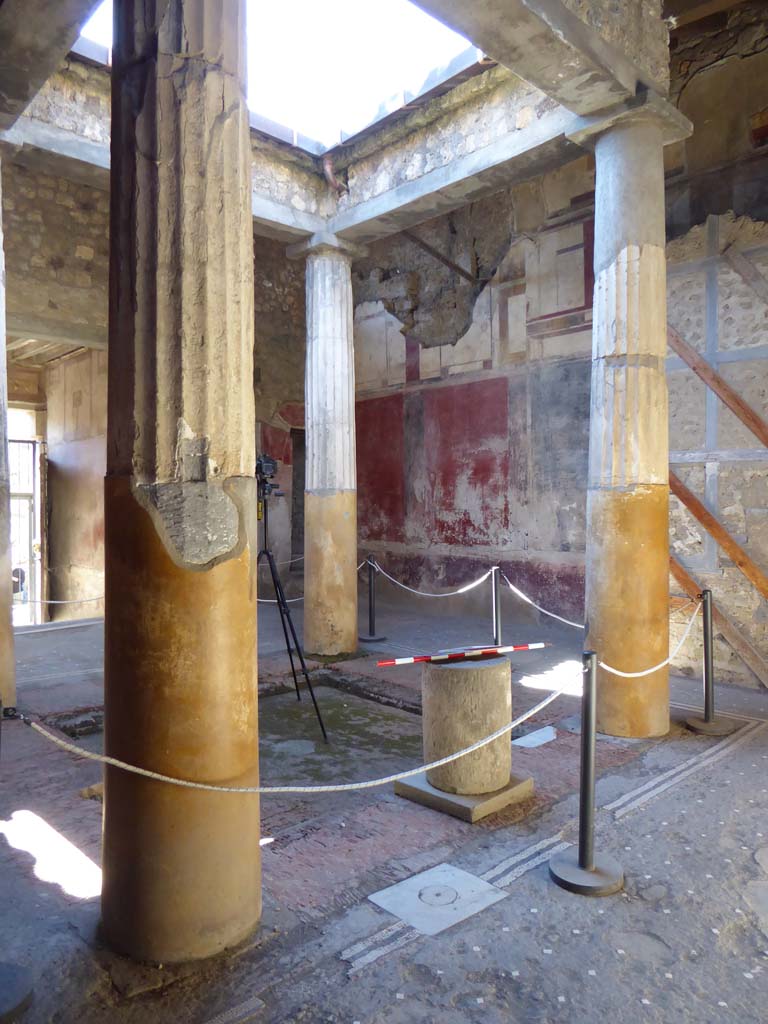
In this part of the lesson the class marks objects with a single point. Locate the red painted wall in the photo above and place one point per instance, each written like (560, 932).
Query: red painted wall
(380, 468)
(446, 479)
(466, 444)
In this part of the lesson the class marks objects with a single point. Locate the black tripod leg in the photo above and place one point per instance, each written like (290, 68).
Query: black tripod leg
(290, 655)
(306, 673)
(282, 607)
(287, 619)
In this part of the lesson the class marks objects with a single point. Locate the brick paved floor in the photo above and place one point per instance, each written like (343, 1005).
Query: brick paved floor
(330, 852)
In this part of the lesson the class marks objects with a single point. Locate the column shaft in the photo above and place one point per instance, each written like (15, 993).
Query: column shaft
(330, 501)
(627, 568)
(181, 867)
(7, 662)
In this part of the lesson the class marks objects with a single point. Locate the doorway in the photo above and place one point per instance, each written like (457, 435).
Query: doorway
(25, 459)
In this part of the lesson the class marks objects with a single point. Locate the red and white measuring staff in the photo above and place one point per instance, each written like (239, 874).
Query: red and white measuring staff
(460, 655)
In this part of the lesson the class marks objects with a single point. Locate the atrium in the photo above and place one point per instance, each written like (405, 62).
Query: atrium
(408, 359)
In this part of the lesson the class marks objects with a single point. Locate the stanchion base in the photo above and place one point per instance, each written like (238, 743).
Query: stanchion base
(370, 639)
(15, 992)
(467, 806)
(717, 727)
(606, 878)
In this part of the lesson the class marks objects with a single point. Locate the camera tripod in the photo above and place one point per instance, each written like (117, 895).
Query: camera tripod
(292, 644)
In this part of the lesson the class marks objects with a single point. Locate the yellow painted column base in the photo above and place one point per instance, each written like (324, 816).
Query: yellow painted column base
(628, 606)
(330, 572)
(181, 867)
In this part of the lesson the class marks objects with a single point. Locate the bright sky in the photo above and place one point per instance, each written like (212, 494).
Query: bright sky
(323, 67)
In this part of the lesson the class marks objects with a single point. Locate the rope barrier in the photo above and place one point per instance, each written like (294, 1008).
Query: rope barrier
(530, 601)
(650, 671)
(341, 788)
(261, 600)
(289, 561)
(423, 593)
(291, 600)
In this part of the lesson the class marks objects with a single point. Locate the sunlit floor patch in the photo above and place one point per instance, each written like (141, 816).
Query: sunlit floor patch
(57, 860)
(566, 676)
(536, 738)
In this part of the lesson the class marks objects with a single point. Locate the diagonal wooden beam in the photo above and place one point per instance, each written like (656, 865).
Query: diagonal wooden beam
(729, 632)
(748, 272)
(440, 258)
(715, 529)
(684, 12)
(748, 416)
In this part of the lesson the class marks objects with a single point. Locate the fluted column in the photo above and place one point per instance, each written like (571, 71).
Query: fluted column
(7, 662)
(627, 566)
(330, 499)
(181, 867)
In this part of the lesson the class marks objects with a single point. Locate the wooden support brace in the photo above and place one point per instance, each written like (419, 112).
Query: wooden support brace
(729, 632)
(748, 416)
(748, 272)
(440, 258)
(715, 528)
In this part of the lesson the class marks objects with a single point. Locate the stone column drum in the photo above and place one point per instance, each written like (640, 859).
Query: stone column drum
(7, 662)
(330, 498)
(461, 703)
(181, 866)
(627, 556)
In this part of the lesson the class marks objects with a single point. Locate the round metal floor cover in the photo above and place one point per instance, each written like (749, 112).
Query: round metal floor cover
(438, 895)
(438, 898)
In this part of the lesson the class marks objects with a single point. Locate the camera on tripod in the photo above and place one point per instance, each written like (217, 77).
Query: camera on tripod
(266, 470)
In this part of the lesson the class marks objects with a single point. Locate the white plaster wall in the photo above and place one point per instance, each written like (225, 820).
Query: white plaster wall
(379, 348)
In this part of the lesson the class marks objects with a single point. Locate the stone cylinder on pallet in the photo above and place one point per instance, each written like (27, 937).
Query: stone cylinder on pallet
(462, 702)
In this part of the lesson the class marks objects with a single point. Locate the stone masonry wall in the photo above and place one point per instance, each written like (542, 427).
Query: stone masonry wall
(75, 99)
(466, 119)
(634, 27)
(720, 81)
(56, 248)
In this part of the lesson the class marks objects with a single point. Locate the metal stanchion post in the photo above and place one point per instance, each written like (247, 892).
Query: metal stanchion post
(710, 724)
(496, 605)
(372, 574)
(578, 869)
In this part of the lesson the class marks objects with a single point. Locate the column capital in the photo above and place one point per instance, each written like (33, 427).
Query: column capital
(647, 106)
(326, 242)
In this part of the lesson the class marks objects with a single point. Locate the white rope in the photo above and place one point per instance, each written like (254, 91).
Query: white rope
(288, 561)
(80, 600)
(650, 671)
(341, 788)
(423, 593)
(292, 600)
(530, 601)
